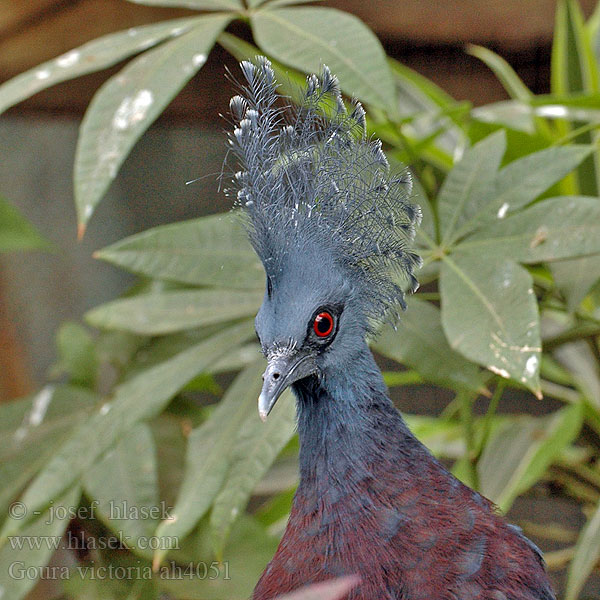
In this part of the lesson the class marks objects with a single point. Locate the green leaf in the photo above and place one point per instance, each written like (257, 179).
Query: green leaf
(140, 398)
(238, 359)
(210, 251)
(195, 4)
(274, 3)
(574, 69)
(85, 584)
(124, 483)
(28, 420)
(164, 348)
(593, 27)
(16, 232)
(419, 342)
(94, 56)
(416, 94)
(573, 63)
(460, 193)
(504, 72)
(208, 455)
(32, 429)
(246, 555)
(127, 104)
(489, 314)
(579, 359)
(521, 182)
(553, 229)
(507, 113)
(521, 451)
(444, 438)
(17, 558)
(276, 509)
(171, 440)
(77, 354)
(574, 107)
(156, 314)
(587, 100)
(427, 226)
(256, 448)
(587, 553)
(421, 89)
(308, 37)
(575, 278)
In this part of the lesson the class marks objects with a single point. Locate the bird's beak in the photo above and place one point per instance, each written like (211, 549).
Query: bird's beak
(283, 370)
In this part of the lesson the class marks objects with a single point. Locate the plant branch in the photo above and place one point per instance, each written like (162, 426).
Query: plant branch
(489, 415)
(581, 331)
(466, 414)
(558, 559)
(560, 392)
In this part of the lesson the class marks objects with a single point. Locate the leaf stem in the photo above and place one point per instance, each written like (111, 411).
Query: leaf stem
(466, 413)
(592, 416)
(579, 332)
(549, 531)
(489, 415)
(560, 392)
(581, 470)
(575, 488)
(558, 559)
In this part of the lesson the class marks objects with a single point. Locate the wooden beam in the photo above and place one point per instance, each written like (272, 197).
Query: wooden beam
(410, 28)
(72, 26)
(510, 24)
(15, 14)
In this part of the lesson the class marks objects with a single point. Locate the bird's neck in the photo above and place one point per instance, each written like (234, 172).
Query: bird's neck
(346, 424)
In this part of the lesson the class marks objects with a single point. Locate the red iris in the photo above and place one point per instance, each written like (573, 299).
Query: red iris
(323, 324)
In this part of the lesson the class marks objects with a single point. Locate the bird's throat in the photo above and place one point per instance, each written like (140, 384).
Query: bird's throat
(345, 419)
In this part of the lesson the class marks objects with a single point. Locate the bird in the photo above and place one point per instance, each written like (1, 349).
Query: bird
(334, 226)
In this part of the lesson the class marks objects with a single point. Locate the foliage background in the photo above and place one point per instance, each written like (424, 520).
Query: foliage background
(510, 239)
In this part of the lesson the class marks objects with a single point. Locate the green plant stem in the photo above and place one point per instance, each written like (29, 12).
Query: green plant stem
(581, 331)
(592, 416)
(560, 392)
(489, 415)
(466, 413)
(435, 296)
(406, 146)
(558, 559)
(576, 133)
(575, 488)
(593, 344)
(398, 378)
(557, 304)
(581, 470)
(549, 531)
(452, 409)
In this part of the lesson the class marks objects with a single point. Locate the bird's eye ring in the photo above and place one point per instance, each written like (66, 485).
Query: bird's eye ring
(323, 324)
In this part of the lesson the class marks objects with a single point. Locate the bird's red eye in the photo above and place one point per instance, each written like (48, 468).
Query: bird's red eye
(323, 324)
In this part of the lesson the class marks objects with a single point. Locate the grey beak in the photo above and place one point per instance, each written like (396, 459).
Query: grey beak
(281, 372)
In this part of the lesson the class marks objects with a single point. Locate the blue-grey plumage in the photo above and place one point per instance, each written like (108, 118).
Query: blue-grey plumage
(311, 182)
(331, 224)
(334, 230)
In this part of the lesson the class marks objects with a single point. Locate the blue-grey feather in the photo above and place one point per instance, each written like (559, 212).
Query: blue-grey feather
(308, 177)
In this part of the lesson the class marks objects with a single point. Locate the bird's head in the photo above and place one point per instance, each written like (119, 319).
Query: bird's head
(330, 223)
(309, 324)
